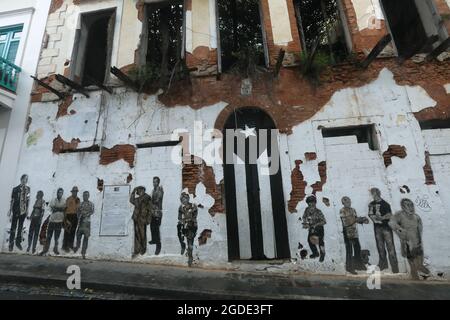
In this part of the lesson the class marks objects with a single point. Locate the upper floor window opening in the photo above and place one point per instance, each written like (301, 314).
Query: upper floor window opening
(413, 25)
(321, 28)
(91, 58)
(242, 38)
(163, 42)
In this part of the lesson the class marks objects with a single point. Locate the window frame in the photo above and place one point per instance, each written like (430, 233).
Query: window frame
(263, 34)
(10, 31)
(433, 10)
(143, 50)
(342, 20)
(78, 58)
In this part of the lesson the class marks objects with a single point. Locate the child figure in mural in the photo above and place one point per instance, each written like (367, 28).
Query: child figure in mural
(141, 217)
(36, 221)
(314, 221)
(20, 199)
(55, 222)
(350, 220)
(85, 211)
(155, 224)
(380, 213)
(187, 224)
(407, 224)
(71, 220)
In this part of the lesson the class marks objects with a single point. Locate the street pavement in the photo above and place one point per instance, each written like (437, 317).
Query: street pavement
(34, 277)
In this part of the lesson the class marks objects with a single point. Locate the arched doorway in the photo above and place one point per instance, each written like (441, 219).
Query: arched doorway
(256, 215)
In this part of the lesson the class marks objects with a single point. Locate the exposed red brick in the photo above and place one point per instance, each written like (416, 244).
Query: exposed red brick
(298, 184)
(204, 236)
(59, 145)
(124, 152)
(309, 156)
(201, 58)
(278, 97)
(428, 170)
(55, 5)
(394, 151)
(318, 186)
(63, 107)
(293, 46)
(198, 172)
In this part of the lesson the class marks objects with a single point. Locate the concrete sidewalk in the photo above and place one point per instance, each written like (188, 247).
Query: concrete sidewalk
(168, 282)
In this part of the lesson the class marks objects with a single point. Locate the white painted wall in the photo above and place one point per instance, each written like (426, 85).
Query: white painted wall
(353, 169)
(34, 16)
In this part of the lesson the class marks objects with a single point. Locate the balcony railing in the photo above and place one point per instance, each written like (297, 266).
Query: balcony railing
(9, 75)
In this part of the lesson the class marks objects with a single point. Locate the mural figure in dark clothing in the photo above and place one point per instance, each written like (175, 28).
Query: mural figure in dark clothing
(187, 223)
(20, 199)
(141, 217)
(36, 221)
(314, 221)
(155, 223)
(350, 221)
(380, 212)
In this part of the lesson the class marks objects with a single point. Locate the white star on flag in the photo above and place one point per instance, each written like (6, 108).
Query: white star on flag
(249, 132)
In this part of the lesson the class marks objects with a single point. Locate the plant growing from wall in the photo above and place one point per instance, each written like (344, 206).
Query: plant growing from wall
(312, 65)
(148, 77)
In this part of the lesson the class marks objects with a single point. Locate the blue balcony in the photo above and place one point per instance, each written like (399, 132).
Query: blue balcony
(9, 75)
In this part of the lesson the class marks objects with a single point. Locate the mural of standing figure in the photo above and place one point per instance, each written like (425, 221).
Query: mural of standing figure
(407, 224)
(20, 199)
(155, 223)
(380, 213)
(36, 221)
(71, 220)
(314, 221)
(141, 217)
(187, 223)
(55, 222)
(350, 221)
(85, 211)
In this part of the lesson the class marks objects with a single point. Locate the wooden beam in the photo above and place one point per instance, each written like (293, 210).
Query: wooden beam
(279, 63)
(379, 47)
(75, 86)
(441, 48)
(100, 85)
(124, 78)
(52, 90)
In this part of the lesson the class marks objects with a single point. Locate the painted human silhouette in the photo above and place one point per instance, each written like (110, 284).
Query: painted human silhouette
(187, 223)
(407, 224)
(380, 212)
(20, 200)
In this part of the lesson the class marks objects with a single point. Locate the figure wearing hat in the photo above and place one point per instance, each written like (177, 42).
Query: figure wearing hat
(71, 220)
(141, 217)
(314, 220)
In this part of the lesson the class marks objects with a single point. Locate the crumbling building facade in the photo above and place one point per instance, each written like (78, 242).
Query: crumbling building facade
(355, 94)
